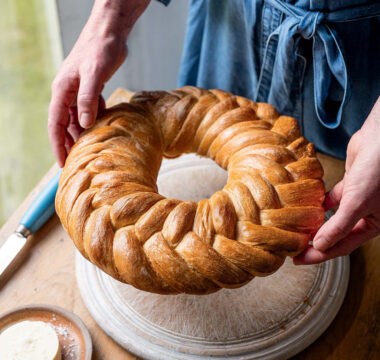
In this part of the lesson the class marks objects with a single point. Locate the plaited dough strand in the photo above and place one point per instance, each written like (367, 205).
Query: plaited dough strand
(108, 201)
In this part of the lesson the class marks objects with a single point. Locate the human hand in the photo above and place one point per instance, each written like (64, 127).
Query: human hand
(357, 219)
(97, 54)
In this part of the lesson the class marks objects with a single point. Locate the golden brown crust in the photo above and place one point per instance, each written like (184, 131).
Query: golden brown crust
(108, 202)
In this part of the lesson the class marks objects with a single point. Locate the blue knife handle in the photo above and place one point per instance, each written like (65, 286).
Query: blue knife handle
(43, 207)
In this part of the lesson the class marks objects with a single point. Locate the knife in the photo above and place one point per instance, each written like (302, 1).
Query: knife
(38, 213)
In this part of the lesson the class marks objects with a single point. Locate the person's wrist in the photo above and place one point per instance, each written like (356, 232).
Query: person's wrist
(115, 18)
(374, 117)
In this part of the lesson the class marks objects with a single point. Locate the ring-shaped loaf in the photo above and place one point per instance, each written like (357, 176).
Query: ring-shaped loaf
(108, 202)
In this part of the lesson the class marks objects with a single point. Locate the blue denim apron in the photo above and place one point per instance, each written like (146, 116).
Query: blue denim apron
(318, 61)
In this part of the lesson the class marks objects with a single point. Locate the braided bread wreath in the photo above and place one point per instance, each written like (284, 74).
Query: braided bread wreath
(108, 201)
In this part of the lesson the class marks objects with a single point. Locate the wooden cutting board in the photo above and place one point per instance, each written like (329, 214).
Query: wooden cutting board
(47, 275)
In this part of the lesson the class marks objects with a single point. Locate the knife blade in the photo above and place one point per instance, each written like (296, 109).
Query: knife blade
(9, 252)
(41, 209)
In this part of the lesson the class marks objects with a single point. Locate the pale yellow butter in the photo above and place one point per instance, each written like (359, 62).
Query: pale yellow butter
(29, 340)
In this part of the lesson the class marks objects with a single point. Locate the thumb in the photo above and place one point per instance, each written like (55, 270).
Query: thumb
(339, 225)
(334, 196)
(87, 101)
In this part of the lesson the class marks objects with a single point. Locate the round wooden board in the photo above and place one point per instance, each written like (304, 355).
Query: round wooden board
(74, 338)
(270, 318)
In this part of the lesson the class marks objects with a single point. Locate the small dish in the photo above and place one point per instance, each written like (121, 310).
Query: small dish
(74, 338)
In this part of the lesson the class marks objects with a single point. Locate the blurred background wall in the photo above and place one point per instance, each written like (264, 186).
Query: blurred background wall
(155, 43)
(35, 35)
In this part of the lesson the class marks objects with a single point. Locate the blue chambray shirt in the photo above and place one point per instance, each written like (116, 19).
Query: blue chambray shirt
(316, 60)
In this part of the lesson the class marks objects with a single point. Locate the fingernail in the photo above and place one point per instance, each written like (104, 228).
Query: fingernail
(86, 120)
(319, 244)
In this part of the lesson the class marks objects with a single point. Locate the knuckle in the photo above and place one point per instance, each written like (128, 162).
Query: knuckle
(56, 83)
(351, 204)
(93, 68)
(329, 241)
(51, 124)
(64, 79)
(87, 98)
(338, 230)
(53, 128)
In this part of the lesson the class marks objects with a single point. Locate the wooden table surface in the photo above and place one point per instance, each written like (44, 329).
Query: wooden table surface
(47, 275)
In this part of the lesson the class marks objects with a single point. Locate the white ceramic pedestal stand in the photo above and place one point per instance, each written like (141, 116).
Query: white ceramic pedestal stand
(270, 318)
